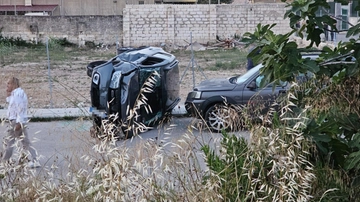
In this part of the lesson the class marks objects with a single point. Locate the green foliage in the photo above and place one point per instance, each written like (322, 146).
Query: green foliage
(272, 166)
(56, 43)
(333, 185)
(91, 44)
(14, 41)
(7, 46)
(62, 42)
(5, 50)
(335, 116)
(332, 97)
(225, 59)
(226, 65)
(353, 160)
(282, 60)
(353, 30)
(229, 166)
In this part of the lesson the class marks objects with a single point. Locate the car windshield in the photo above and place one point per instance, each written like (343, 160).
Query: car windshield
(241, 79)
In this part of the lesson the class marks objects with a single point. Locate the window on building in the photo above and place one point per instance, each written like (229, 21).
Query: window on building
(326, 11)
(353, 12)
(141, 2)
(157, 2)
(344, 17)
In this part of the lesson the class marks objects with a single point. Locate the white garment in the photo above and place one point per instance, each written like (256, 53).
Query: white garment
(17, 109)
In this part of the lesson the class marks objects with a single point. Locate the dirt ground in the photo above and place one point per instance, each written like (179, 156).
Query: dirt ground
(66, 84)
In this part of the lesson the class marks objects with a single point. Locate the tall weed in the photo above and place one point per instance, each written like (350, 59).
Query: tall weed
(273, 166)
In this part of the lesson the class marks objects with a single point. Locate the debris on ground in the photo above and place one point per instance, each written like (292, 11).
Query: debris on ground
(226, 43)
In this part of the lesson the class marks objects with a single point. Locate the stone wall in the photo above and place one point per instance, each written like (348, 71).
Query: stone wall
(174, 24)
(76, 29)
(150, 24)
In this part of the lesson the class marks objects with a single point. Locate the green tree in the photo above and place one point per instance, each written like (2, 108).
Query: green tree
(335, 96)
(321, 119)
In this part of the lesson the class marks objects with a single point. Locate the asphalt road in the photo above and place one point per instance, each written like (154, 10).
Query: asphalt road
(61, 145)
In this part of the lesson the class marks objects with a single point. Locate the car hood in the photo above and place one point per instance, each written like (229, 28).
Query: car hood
(218, 84)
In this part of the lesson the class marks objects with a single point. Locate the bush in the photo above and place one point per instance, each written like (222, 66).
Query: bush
(273, 166)
(15, 41)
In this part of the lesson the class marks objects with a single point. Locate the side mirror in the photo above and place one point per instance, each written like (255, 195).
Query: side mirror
(252, 85)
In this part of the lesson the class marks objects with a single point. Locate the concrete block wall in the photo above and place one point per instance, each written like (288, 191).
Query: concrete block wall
(150, 24)
(144, 24)
(172, 24)
(175, 24)
(239, 19)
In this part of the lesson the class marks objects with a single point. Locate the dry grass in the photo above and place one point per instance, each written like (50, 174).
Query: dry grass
(171, 171)
(148, 171)
(175, 170)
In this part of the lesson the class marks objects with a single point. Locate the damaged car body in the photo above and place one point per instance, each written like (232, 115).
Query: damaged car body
(117, 85)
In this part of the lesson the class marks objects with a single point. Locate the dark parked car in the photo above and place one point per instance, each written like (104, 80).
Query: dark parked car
(117, 83)
(210, 99)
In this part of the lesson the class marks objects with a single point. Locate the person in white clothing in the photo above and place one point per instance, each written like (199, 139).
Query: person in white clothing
(17, 116)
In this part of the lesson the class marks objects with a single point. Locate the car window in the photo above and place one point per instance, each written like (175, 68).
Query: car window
(258, 80)
(268, 85)
(241, 79)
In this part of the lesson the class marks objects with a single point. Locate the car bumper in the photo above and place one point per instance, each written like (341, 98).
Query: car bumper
(194, 108)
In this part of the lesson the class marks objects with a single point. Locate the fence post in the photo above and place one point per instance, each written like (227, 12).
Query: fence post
(49, 72)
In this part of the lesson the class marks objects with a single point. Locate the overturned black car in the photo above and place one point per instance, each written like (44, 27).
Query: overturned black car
(118, 85)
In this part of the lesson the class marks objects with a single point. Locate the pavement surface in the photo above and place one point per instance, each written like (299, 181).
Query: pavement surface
(57, 113)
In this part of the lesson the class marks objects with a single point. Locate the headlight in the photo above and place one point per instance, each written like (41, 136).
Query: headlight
(96, 78)
(195, 94)
(115, 80)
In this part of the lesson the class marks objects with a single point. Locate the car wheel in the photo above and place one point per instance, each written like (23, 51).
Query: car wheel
(128, 126)
(128, 132)
(105, 131)
(222, 117)
(96, 129)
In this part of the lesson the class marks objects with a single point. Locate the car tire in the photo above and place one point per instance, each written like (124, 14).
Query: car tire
(95, 130)
(222, 117)
(128, 125)
(108, 130)
(128, 133)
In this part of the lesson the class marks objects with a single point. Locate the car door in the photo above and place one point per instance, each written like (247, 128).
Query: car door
(260, 99)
